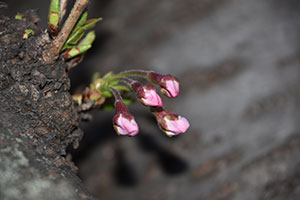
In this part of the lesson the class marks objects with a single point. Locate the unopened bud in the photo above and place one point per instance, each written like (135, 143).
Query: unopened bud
(148, 96)
(171, 123)
(169, 84)
(124, 124)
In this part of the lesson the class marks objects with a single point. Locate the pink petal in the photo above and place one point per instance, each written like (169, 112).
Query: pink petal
(151, 98)
(175, 127)
(169, 86)
(125, 125)
(172, 87)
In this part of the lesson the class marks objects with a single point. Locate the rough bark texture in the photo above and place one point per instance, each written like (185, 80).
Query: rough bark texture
(38, 118)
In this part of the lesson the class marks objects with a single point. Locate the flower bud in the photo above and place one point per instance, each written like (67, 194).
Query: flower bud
(148, 96)
(124, 124)
(171, 123)
(169, 84)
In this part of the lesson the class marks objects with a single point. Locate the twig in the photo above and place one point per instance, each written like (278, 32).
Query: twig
(52, 54)
(63, 8)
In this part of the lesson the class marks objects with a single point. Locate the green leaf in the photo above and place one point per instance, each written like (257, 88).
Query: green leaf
(91, 23)
(108, 75)
(96, 75)
(113, 82)
(77, 33)
(88, 39)
(106, 93)
(27, 32)
(54, 16)
(19, 16)
(128, 101)
(122, 88)
(107, 107)
(83, 46)
(80, 22)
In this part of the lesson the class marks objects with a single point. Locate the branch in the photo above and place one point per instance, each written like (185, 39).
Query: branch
(52, 54)
(63, 8)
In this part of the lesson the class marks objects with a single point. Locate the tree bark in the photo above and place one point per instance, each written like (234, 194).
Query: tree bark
(38, 118)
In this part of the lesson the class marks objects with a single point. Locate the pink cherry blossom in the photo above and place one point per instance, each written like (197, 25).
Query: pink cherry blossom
(124, 124)
(148, 96)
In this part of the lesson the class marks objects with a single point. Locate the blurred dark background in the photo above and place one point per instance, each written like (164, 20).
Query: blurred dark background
(239, 66)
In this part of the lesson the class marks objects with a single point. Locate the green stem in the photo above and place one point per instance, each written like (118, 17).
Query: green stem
(140, 73)
(119, 104)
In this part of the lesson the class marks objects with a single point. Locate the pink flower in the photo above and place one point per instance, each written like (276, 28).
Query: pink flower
(124, 124)
(148, 96)
(171, 123)
(169, 84)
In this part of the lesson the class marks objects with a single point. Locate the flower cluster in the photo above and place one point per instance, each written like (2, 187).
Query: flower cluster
(124, 123)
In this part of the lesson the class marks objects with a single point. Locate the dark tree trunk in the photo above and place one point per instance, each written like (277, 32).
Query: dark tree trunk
(38, 119)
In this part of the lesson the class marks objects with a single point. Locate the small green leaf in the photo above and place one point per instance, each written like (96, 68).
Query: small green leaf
(75, 51)
(83, 46)
(72, 40)
(76, 35)
(54, 17)
(96, 75)
(128, 101)
(79, 30)
(108, 75)
(19, 16)
(122, 88)
(91, 23)
(80, 22)
(113, 82)
(88, 39)
(77, 98)
(107, 107)
(106, 94)
(27, 32)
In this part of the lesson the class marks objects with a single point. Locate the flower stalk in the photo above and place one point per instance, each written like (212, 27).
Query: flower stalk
(123, 122)
(169, 84)
(145, 93)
